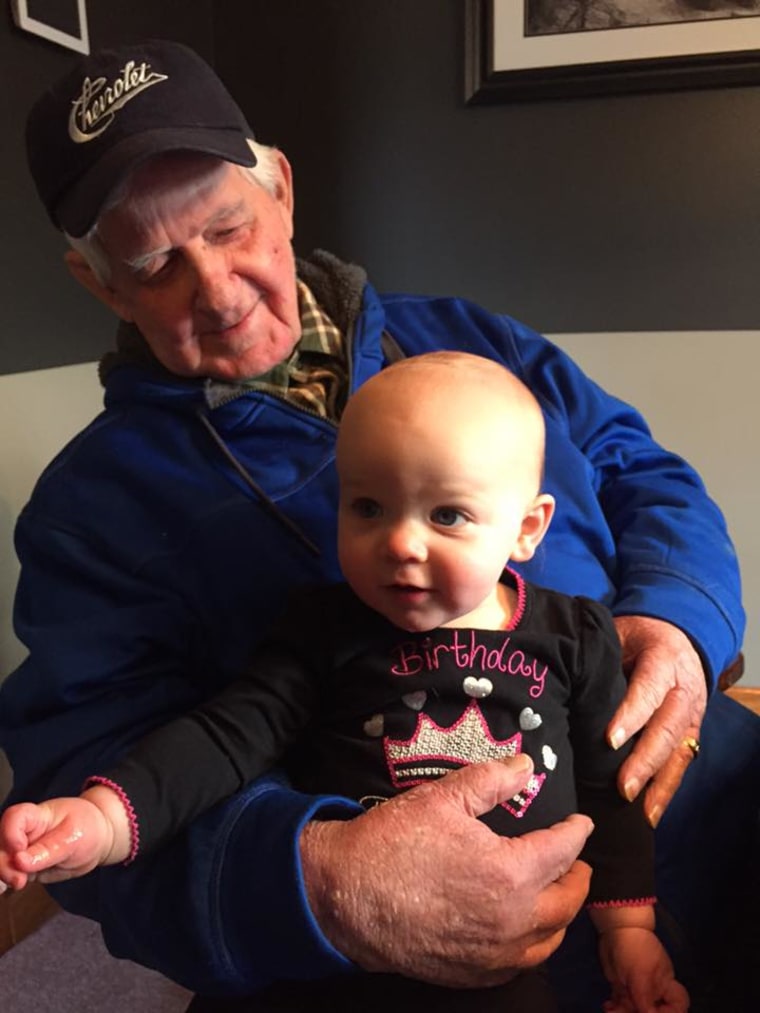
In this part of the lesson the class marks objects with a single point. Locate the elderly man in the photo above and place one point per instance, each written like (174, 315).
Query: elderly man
(161, 543)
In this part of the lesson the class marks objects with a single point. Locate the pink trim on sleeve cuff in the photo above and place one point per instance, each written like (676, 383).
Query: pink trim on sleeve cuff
(640, 902)
(134, 827)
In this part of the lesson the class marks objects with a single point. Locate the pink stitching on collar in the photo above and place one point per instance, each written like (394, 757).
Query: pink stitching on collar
(521, 599)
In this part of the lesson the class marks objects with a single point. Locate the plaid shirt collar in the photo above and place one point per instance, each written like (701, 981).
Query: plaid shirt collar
(315, 376)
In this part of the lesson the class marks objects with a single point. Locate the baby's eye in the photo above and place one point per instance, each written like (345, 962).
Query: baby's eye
(448, 517)
(366, 508)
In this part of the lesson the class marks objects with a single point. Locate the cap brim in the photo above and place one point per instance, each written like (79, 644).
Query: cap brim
(78, 209)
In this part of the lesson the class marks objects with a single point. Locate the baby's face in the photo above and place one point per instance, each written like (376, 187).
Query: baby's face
(431, 512)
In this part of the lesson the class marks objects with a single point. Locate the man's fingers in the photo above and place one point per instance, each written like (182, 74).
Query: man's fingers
(491, 903)
(538, 952)
(667, 696)
(561, 901)
(660, 752)
(644, 697)
(551, 852)
(576, 880)
(556, 906)
(667, 780)
(656, 744)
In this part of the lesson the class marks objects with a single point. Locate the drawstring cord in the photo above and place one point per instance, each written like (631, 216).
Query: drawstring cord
(270, 507)
(392, 353)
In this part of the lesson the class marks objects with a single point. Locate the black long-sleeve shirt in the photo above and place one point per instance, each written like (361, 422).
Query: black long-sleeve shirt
(353, 705)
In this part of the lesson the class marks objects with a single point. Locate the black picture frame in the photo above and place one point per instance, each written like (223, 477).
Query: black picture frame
(486, 81)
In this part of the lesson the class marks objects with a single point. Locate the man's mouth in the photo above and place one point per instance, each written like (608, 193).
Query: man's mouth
(228, 330)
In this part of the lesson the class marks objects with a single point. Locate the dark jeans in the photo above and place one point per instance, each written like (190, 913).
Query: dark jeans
(379, 993)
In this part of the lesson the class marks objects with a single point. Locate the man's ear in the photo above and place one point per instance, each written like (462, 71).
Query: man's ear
(84, 274)
(283, 192)
(534, 526)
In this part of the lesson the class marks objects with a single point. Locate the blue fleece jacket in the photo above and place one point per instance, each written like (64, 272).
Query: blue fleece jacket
(151, 566)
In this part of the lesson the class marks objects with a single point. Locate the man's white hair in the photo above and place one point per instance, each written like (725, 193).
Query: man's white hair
(264, 173)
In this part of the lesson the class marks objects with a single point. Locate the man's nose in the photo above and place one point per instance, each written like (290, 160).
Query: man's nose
(406, 541)
(214, 281)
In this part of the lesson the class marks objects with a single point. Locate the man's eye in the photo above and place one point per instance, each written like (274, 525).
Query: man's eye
(157, 271)
(222, 235)
(366, 508)
(448, 517)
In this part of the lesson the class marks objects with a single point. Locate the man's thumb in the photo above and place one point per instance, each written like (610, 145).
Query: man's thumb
(481, 786)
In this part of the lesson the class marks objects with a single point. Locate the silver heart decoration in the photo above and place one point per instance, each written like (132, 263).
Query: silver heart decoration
(374, 726)
(415, 700)
(479, 688)
(549, 757)
(529, 719)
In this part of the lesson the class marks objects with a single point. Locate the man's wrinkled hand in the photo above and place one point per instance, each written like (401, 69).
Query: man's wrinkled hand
(419, 886)
(667, 697)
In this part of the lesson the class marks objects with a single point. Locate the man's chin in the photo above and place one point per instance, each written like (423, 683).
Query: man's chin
(230, 365)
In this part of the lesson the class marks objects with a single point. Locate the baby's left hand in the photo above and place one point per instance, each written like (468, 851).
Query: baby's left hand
(640, 973)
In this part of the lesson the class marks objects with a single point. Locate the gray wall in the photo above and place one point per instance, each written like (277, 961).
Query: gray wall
(636, 212)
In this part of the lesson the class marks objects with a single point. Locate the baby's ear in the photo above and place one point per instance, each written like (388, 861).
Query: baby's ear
(534, 526)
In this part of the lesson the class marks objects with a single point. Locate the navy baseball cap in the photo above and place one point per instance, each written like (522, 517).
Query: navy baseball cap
(118, 107)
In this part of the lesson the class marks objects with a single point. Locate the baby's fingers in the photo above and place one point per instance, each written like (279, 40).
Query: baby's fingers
(21, 824)
(56, 847)
(12, 879)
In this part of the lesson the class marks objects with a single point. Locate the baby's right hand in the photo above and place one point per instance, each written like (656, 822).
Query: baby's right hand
(51, 841)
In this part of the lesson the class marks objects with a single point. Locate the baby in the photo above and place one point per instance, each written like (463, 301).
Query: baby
(434, 653)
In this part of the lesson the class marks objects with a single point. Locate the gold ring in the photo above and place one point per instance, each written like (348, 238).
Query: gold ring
(693, 745)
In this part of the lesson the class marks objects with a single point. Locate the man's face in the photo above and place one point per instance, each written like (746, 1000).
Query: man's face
(201, 261)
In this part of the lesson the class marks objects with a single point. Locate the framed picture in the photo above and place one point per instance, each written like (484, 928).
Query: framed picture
(532, 49)
(63, 22)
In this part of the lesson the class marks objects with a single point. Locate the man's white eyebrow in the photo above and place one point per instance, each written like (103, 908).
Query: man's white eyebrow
(138, 263)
